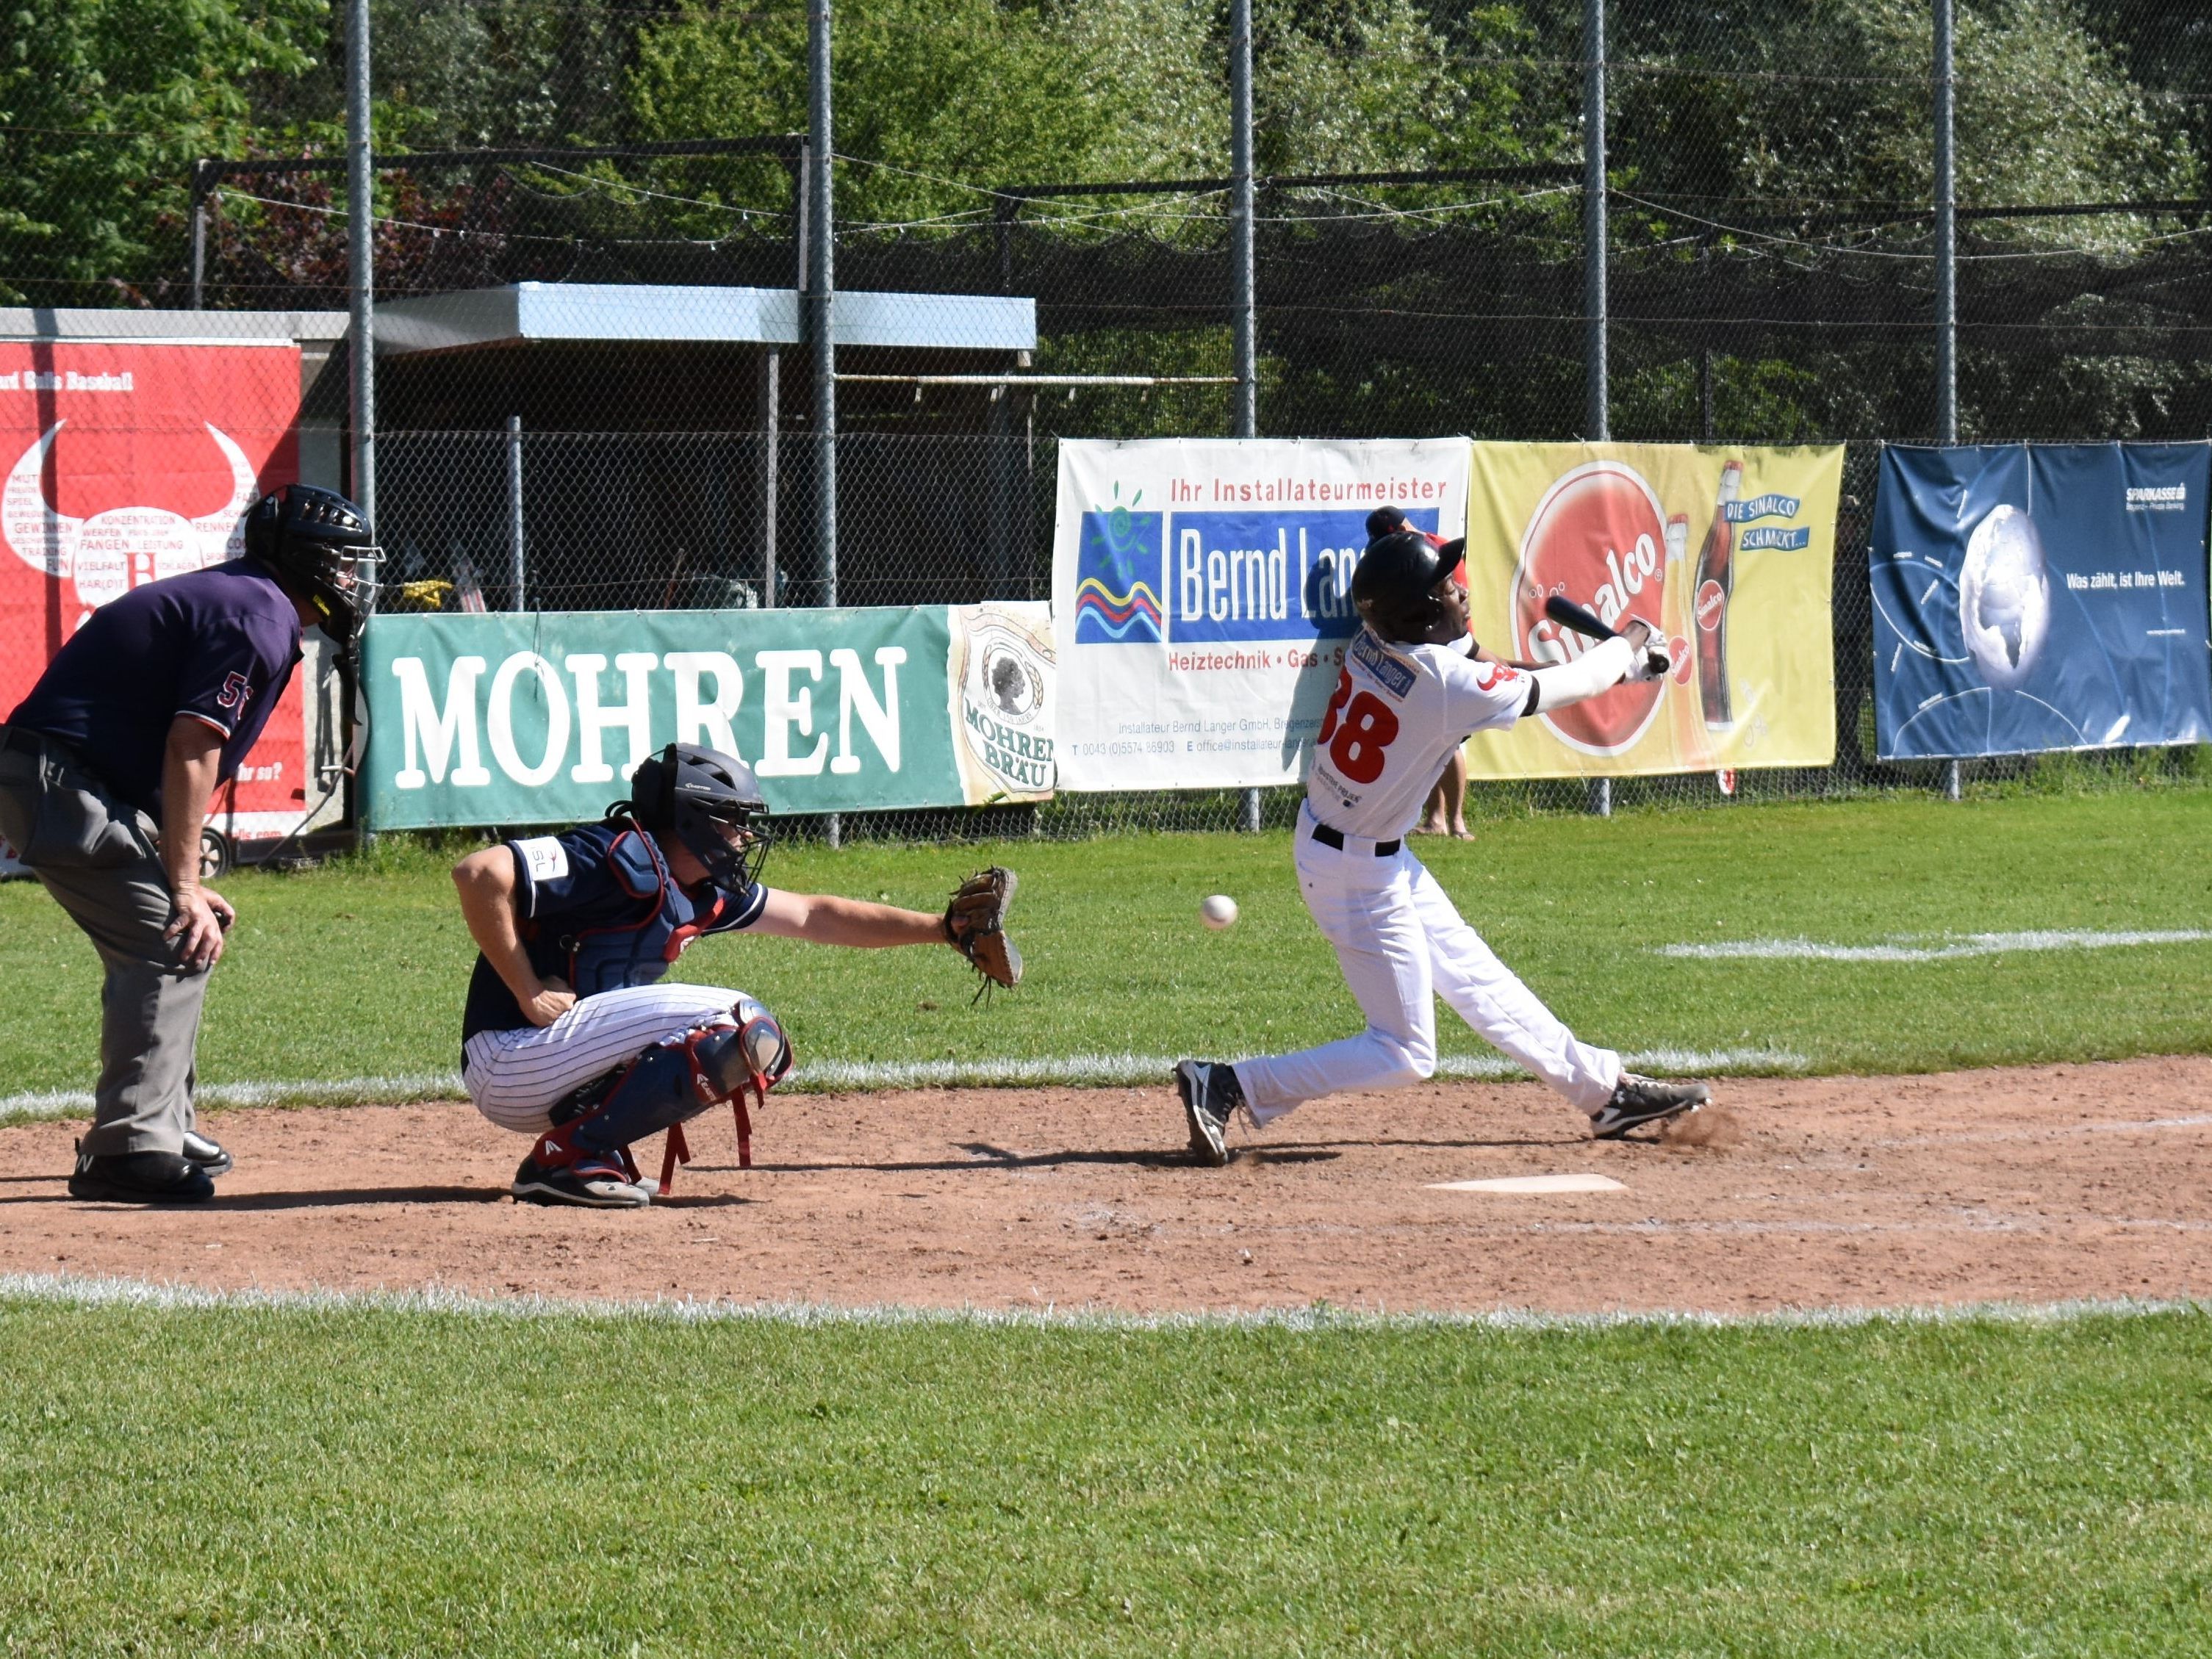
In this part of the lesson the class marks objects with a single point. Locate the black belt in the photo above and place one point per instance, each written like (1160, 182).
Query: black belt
(23, 740)
(1329, 837)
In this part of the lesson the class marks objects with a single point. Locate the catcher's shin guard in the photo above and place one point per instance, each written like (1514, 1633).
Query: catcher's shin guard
(674, 1082)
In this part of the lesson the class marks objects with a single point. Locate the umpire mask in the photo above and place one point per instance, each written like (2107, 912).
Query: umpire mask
(320, 546)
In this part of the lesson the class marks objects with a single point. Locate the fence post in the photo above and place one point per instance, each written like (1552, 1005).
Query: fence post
(821, 298)
(1947, 238)
(360, 238)
(1947, 269)
(518, 569)
(1243, 320)
(821, 329)
(1597, 393)
(199, 228)
(771, 420)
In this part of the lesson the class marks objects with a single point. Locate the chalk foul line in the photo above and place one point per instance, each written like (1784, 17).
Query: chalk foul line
(833, 1076)
(1941, 947)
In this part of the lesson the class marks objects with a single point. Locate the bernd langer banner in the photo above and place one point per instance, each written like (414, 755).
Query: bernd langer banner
(1201, 597)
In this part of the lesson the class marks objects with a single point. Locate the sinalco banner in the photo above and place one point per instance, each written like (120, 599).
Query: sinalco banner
(2039, 596)
(539, 718)
(1730, 550)
(1201, 597)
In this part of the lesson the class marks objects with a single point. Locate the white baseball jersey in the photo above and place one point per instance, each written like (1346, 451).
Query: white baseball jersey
(1399, 712)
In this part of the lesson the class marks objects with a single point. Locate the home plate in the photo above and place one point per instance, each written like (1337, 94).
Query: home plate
(1550, 1183)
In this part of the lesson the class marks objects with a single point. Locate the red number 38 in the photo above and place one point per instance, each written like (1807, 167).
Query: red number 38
(1357, 730)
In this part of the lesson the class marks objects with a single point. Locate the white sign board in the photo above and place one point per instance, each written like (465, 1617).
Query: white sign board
(1201, 598)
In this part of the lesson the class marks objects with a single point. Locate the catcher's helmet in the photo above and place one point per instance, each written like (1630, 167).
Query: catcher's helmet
(1383, 521)
(319, 545)
(1394, 587)
(711, 803)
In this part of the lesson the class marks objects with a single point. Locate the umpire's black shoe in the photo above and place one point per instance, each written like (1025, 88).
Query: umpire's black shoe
(1211, 1096)
(206, 1153)
(1639, 1100)
(140, 1178)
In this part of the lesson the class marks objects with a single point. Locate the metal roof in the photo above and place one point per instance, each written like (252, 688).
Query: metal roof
(632, 312)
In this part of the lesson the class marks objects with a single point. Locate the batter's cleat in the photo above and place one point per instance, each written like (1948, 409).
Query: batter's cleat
(591, 1182)
(204, 1151)
(140, 1178)
(1211, 1096)
(1640, 1100)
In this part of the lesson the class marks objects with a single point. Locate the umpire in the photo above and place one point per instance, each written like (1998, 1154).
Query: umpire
(105, 772)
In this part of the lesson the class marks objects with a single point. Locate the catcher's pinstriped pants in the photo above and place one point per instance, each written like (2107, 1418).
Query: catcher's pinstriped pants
(1401, 944)
(516, 1077)
(98, 857)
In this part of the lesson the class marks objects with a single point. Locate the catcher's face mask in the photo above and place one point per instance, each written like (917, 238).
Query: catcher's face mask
(731, 843)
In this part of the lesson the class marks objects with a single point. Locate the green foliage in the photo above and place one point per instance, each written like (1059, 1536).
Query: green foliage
(1830, 103)
(944, 96)
(103, 105)
(371, 1481)
(1384, 86)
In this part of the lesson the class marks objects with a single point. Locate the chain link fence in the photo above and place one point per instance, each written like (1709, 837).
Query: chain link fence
(1421, 246)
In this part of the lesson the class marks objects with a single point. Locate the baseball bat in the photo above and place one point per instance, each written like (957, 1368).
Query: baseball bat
(1565, 613)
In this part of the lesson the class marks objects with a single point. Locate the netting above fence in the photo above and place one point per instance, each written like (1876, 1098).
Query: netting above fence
(1421, 257)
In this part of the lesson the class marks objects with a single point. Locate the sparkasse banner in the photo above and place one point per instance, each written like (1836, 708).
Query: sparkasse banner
(1201, 597)
(539, 718)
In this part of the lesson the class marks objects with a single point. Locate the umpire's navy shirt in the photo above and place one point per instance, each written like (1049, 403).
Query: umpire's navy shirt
(216, 644)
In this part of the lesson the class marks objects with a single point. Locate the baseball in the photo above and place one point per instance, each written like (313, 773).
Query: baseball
(1220, 911)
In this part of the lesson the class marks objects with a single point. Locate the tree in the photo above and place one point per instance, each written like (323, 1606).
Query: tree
(103, 105)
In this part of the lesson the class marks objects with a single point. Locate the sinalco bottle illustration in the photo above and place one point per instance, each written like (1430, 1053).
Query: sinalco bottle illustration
(1716, 582)
(1692, 751)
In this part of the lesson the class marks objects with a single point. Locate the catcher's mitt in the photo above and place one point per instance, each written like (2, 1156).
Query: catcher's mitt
(975, 926)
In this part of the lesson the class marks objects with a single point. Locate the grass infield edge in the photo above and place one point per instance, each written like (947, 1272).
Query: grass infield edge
(85, 1290)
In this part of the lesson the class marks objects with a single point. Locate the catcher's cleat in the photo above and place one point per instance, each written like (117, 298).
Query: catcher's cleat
(592, 1183)
(1211, 1096)
(1640, 1100)
(204, 1151)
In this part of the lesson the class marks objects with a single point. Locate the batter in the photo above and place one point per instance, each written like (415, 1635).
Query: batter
(1410, 692)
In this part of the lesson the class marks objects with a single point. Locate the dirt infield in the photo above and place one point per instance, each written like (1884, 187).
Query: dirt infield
(2073, 1181)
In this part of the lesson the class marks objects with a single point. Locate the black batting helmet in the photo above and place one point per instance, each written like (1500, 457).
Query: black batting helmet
(1394, 587)
(320, 546)
(1383, 520)
(711, 803)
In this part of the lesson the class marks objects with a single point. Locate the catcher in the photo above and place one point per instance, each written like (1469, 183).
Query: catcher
(569, 1033)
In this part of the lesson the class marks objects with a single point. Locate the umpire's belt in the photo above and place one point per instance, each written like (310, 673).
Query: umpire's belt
(24, 741)
(1329, 837)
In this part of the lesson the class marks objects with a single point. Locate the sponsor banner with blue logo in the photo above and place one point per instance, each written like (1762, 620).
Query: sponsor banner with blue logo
(2032, 597)
(1201, 597)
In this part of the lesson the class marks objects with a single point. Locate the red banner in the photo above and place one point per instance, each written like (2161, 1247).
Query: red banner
(126, 463)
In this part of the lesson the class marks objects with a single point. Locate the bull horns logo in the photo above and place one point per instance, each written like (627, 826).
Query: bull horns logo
(111, 552)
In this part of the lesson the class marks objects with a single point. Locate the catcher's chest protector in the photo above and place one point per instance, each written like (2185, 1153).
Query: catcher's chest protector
(666, 919)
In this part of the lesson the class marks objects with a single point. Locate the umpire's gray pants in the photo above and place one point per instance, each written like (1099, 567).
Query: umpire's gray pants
(99, 858)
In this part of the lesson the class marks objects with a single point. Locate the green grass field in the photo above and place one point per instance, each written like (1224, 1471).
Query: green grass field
(388, 1482)
(363, 1479)
(355, 971)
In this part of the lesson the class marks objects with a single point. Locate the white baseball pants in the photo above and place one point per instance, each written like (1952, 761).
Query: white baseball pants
(1401, 944)
(516, 1077)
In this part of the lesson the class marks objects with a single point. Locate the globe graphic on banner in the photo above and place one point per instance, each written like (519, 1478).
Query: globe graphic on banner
(2004, 598)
